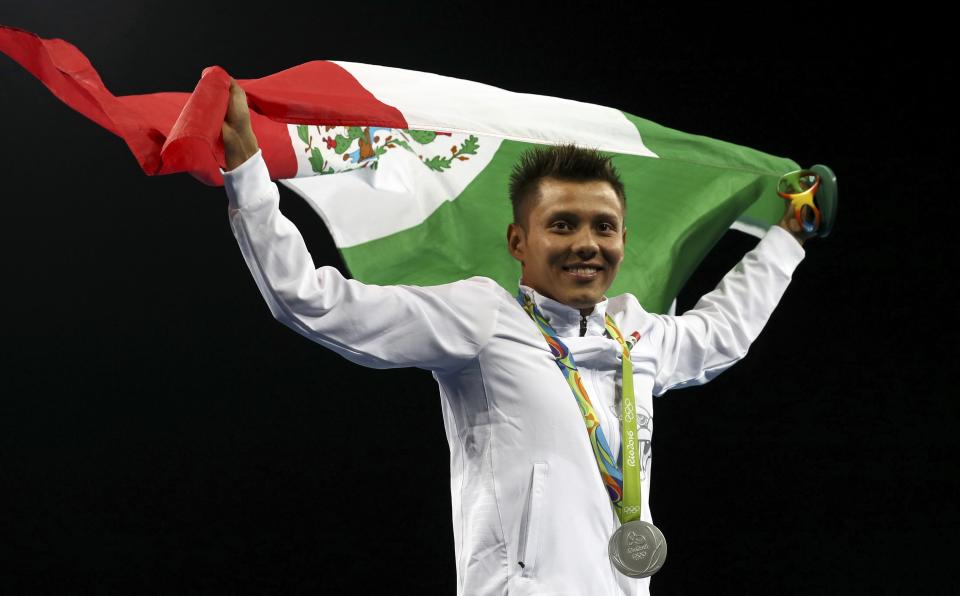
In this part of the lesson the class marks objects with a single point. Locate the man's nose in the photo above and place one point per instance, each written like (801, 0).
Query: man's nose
(585, 243)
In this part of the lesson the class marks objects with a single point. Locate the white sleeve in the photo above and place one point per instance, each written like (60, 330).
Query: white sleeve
(698, 345)
(438, 327)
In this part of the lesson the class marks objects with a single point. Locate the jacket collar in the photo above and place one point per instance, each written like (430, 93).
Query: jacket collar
(564, 319)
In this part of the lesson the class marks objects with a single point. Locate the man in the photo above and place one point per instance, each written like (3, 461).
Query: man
(530, 513)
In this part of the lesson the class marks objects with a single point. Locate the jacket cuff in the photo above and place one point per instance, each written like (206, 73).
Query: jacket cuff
(248, 184)
(782, 248)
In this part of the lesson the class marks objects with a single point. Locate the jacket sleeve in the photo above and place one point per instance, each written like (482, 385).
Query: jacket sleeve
(698, 345)
(437, 328)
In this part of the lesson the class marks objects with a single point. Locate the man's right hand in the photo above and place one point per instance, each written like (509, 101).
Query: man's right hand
(239, 142)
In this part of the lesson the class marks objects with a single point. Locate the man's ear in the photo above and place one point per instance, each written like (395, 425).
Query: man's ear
(515, 241)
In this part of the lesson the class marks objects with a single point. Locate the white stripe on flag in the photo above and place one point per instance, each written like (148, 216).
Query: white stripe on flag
(435, 102)
(365, 204)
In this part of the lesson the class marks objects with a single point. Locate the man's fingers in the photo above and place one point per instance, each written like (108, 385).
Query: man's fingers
(794, 224)
(238, 114)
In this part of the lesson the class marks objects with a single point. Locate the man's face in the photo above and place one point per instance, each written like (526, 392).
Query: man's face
(572, 244)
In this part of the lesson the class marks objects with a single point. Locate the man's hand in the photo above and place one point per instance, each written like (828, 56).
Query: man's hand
(790, 223)
(239, 142)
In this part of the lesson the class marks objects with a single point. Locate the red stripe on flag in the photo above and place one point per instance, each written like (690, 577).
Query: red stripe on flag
(180, 132)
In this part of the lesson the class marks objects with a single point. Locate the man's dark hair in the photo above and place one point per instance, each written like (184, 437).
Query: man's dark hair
(562, 162)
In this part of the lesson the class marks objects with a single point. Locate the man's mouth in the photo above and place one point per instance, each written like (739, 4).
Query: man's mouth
(583, 271)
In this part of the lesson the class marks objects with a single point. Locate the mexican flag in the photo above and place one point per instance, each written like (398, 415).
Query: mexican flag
(409, 170)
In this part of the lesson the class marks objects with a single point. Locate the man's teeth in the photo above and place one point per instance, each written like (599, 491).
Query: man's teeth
(583, 270)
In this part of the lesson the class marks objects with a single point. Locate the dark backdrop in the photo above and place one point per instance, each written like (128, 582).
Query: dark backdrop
(161, 433)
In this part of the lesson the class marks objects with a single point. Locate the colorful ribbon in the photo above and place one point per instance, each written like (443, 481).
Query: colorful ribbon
(622, 487)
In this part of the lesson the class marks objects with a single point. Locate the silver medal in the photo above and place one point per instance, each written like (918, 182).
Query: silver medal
(637, 549)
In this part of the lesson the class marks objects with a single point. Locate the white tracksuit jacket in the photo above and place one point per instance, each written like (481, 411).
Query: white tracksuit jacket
(524, 483)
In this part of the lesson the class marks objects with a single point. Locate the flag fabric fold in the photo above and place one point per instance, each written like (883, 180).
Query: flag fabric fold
(409, 170)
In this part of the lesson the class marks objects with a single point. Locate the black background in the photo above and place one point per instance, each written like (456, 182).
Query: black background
(161, 433)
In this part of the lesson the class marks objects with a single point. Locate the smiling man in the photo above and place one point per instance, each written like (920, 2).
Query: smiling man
(568, 231)
(533, 507)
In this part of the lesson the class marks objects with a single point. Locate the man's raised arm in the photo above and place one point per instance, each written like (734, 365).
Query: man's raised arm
(437, 328)
(698, 345)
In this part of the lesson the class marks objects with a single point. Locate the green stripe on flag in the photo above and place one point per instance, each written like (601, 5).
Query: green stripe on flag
(462, 238)
(701, 151)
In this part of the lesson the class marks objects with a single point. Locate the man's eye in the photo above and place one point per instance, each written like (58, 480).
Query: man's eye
(607, 227)
(561, 225)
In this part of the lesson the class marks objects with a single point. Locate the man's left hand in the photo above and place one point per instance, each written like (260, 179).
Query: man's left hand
(790, 223)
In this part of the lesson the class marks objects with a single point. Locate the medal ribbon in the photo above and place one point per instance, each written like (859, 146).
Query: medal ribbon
(622, 487)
